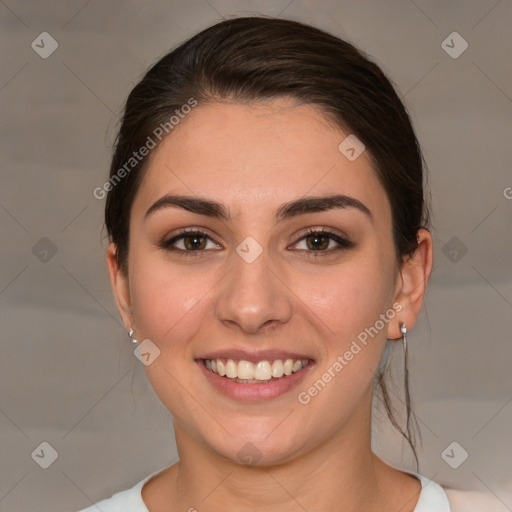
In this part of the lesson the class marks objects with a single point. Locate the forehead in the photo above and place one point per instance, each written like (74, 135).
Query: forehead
(254, 156)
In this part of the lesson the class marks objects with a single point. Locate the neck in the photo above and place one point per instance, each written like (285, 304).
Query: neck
(340, 470)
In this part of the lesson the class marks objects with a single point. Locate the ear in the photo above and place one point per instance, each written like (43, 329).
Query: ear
(411, 284)
(120, 287)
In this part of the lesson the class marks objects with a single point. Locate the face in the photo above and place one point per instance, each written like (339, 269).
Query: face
(268, 273)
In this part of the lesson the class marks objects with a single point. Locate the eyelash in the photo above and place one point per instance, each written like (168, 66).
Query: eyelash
(344, 243)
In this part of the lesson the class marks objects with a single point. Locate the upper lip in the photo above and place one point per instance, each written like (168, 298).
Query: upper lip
(254, 355)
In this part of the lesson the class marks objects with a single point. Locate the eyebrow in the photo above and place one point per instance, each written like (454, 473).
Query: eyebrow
(302, 206)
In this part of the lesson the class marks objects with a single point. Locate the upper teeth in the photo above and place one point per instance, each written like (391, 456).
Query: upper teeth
(262, 370)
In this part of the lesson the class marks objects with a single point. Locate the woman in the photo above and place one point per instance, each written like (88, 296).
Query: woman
(269, 238)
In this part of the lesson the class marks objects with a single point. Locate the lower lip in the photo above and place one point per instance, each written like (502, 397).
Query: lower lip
(266, 391)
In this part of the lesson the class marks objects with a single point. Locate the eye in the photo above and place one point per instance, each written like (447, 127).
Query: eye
(189, 243)
(319, 242)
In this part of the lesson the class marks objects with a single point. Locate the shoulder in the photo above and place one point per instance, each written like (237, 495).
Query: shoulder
(129, 500)
(432, 498)
(124, 501)
(472, 501)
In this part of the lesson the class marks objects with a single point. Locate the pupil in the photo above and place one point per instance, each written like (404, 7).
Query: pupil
(316, 238)
(194, 241)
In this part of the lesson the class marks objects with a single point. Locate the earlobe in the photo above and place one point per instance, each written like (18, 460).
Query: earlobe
(120, 287)
(412, 283)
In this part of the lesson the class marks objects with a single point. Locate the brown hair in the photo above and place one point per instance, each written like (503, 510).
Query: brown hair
(256, 58)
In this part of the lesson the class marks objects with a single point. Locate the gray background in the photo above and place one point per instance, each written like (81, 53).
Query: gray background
(68, 375)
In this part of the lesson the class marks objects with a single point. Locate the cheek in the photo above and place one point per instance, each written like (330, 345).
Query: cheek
(346, 305)
(349, 297)
(166, 299)
(169, 303)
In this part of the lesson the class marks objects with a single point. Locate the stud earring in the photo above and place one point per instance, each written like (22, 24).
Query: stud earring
(403, 330)
(130, 334)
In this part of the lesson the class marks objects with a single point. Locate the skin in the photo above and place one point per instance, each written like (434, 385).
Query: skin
(253, 158)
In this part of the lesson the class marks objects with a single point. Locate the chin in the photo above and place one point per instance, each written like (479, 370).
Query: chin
(257, 451)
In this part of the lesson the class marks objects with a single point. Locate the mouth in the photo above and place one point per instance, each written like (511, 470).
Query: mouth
(248, 372)
(262, 378)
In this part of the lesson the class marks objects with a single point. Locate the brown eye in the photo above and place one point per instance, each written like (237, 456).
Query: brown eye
(317, 242)
(320, 242)
(194, 241)
(189, 243)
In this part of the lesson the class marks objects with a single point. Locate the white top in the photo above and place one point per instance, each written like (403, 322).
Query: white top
(432, 499)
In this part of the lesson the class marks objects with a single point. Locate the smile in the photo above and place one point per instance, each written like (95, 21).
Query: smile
(247, 372)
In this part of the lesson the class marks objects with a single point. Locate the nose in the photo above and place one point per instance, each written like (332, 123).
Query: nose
(253, 296)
